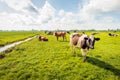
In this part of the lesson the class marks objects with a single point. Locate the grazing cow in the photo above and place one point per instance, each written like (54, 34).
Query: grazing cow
(68, 32)
(82, 41)
(41, 38)
(95, 33)
(110, 34)
(50, 33)
(60, 34)
(45, 32)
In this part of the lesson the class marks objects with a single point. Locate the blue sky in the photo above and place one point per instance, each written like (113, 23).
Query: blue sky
(67, 5)
(59, 14)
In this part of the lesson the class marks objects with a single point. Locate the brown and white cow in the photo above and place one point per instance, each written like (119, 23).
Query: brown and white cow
(41, 38)
(60, 34)
(110, 34)
(83, 41)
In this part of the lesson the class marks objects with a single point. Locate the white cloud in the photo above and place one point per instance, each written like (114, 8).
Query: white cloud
(24, 19)
(108, 19)
(102, 6)
(106, 5)
(98, 7)
(47, 12)
(25, 6)
(95, 12)
(61, 13)
(15, 19)
(89, 16)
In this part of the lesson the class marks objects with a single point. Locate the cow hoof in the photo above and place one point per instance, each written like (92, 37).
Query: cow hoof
(74, 55)
(84, 60)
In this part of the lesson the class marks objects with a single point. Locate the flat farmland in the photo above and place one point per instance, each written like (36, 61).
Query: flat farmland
(54, 60)
(7, 37)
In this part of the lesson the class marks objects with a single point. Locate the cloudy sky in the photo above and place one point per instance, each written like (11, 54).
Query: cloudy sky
(59, 14)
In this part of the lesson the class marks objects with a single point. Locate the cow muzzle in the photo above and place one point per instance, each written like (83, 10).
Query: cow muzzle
(91, 47)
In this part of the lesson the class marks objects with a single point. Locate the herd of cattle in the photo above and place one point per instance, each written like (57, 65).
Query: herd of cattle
(83, 41)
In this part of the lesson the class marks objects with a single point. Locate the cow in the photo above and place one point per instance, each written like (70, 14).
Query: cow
(110, 34)
(41, 38)
(60, 34)
(83, 41)
(50, 33)
(94, 33)
(68, 32)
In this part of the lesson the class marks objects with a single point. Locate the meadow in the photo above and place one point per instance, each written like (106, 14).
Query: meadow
(54, 60)
(7, 37)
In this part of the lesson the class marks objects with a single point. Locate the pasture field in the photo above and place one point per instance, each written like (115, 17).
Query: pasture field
(54, 60)
(7, 37)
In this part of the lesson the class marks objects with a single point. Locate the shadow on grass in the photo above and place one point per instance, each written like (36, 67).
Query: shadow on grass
(104, 65)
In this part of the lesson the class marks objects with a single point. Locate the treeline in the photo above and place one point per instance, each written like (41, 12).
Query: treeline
(113, 30)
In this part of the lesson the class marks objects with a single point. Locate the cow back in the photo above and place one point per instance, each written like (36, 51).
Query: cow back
(75, 40)
(60, 33)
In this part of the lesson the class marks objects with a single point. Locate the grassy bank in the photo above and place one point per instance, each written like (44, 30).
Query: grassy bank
(7, 37)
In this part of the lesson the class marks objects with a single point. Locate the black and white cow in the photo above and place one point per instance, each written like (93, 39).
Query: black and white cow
(83, 41)
(110, 34)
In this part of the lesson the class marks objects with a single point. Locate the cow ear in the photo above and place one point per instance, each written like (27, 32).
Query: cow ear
(86, 38)
(97, 39)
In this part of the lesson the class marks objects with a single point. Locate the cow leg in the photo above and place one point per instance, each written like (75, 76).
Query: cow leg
(73, 50)
(57, 38)
(84, 58)
(84, 52)
(65, 38)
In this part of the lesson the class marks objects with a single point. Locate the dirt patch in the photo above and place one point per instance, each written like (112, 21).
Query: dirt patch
(1, 45)
(8, 51)
(2, 56)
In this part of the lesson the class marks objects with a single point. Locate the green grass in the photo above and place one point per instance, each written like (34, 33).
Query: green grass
(54, 60)
(7, 37)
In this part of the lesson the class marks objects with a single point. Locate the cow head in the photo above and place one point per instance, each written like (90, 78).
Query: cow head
(92, 40)
(84, 43)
